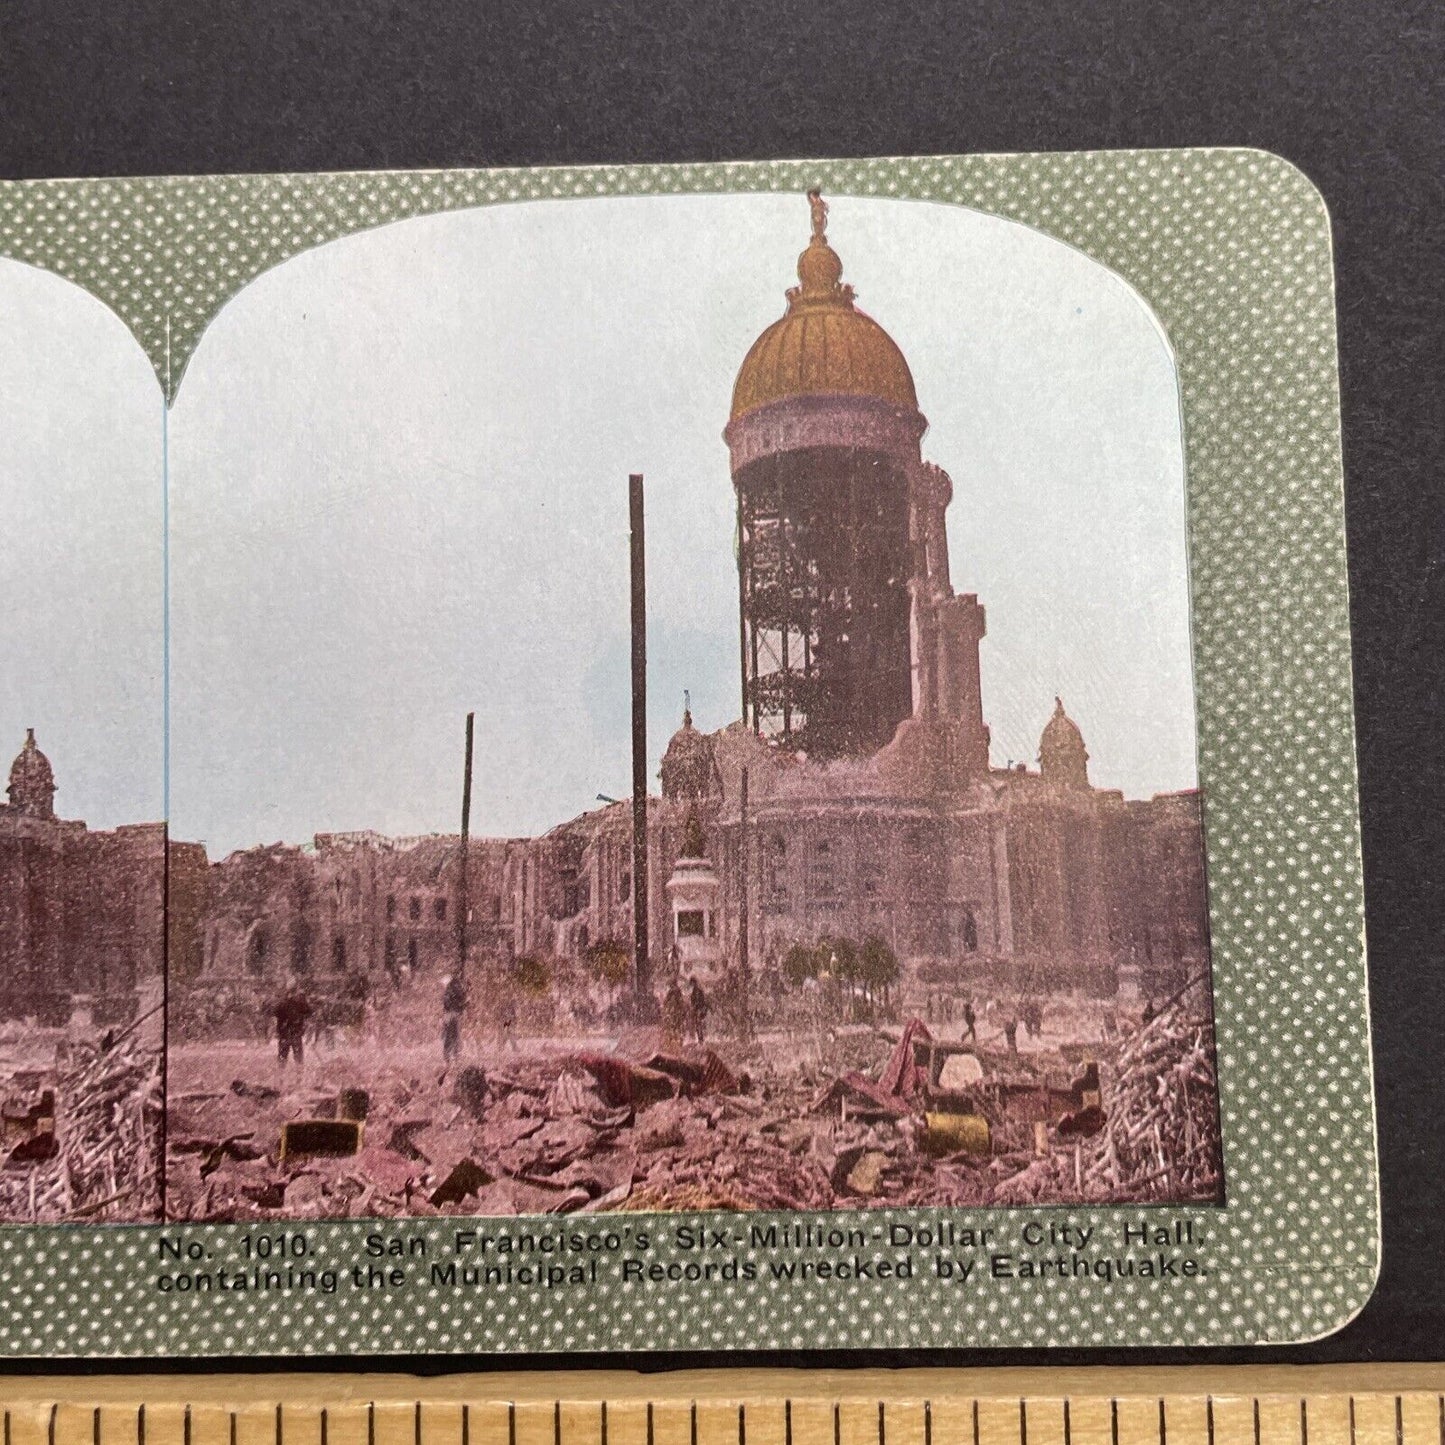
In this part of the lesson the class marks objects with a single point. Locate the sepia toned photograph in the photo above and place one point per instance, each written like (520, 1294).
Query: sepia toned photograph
(82, 819)
(683, 704)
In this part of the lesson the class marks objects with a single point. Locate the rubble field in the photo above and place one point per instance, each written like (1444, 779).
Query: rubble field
(80, 1125)
(853, 1116)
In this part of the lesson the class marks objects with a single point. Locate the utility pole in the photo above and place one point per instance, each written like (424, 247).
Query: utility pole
(744, 860)
(641, 959)
(462, 902)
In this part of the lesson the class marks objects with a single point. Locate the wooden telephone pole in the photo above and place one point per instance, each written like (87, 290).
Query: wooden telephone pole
(462, 901)
(641, 959)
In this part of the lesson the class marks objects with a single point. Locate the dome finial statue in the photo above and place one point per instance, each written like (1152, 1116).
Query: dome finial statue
(819, 268)
(819, 208)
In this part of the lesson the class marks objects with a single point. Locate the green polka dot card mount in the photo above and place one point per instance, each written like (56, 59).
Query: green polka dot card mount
(978, 958)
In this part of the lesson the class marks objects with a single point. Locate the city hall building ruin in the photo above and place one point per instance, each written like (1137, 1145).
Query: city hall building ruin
(873, 807)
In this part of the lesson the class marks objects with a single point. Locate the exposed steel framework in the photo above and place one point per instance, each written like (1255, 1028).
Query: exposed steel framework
(823, 571)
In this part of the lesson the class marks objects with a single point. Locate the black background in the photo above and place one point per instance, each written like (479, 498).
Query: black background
(1350, 92)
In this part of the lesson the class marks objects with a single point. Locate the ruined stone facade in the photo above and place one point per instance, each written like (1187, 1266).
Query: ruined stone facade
(1022, 873)
(343, 917)
(81, 911)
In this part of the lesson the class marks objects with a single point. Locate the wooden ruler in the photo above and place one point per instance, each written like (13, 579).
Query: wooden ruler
(1336, 1405)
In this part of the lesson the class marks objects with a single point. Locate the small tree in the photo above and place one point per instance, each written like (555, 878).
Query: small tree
(611, 961)
(877, 965)
(532, 975)
(800, 963)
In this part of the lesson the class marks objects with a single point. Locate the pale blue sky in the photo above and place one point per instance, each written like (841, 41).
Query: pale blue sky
(81, 557)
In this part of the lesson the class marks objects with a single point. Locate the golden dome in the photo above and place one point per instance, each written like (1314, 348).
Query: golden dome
(823, 345)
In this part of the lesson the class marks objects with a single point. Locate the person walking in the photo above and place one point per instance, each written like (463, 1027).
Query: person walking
(674, 1015)
(508, 1020)
(970, 1022)
(697, 1011)
(454, 1005)
(291, 1013)
(1011, 1032)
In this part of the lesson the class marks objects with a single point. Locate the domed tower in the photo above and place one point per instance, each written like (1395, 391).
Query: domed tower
(1063, 759)
(689, 766)
(842, 557)
(32, 781)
